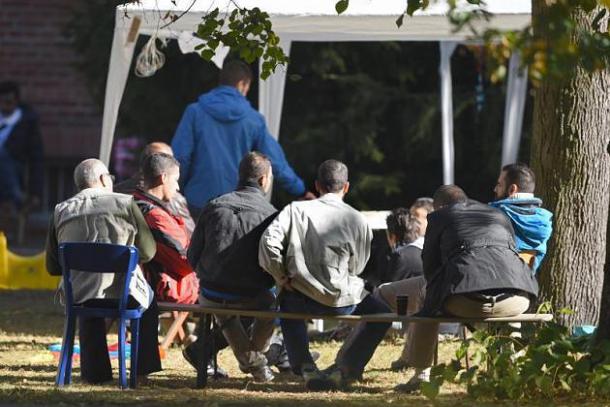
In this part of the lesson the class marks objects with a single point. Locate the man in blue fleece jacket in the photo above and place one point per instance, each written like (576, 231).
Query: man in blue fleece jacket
(216, 132)
(515, 197)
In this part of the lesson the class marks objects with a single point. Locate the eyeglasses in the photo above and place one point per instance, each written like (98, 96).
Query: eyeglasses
(112, 177)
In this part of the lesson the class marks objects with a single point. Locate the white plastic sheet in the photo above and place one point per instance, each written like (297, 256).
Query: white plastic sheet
(271, 94)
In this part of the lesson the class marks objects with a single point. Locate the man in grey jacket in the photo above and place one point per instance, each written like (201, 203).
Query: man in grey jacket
(96, 214)
(315, 251)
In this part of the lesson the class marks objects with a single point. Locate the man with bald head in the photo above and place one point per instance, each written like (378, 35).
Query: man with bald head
(96, 214)
(177, 204)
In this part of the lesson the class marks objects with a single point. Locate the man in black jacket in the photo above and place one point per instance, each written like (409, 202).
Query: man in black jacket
(20, 149)
(224, 252)
(471, 270)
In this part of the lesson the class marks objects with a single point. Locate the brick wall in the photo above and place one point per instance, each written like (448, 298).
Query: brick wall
(34, 53)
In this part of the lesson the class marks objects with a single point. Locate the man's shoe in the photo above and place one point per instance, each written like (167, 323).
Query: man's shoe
(262, 374)
(414, 383)
(399, 365)
(190, 355)
(339, 377)
(315, 380)
(218, 373)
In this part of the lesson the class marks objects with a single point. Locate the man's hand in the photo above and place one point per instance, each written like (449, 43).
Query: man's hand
(308, 196)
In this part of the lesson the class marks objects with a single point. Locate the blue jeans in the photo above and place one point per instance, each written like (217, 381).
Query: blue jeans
(356, 354)
(10, 181)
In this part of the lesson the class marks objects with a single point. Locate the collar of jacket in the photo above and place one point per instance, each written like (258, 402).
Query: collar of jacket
(250, 187)
(331, 196)
(141, 195)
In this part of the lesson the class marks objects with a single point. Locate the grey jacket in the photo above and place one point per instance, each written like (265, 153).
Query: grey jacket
(322, 246)
(98, 215)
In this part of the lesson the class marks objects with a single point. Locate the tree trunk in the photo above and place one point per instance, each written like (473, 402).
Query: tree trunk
(571, 162)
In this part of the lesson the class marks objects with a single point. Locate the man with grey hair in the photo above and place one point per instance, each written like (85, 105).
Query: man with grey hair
(96, 214)
(315, 251)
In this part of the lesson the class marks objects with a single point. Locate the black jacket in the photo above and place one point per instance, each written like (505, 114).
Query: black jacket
(224, 246)
(24, 144)
(403, 262)
(471, 248)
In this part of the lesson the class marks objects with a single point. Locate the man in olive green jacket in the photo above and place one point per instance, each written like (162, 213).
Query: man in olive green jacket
(96, 214)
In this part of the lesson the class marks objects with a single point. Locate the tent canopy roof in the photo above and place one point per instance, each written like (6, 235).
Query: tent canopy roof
(317, 20)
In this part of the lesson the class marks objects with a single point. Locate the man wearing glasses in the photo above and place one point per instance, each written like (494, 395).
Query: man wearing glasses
(96, 214)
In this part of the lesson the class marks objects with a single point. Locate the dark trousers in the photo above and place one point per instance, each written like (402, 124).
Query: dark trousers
(356, 354)
(94, 360)
(10, 181)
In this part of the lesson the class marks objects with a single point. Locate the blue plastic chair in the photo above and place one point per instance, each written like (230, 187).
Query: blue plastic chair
(99, 258)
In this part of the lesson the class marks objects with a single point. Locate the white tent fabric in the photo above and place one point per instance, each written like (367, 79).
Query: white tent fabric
(516, 93)
(311, 20)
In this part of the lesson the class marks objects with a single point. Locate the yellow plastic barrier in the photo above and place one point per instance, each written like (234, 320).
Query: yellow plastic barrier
(20, 272)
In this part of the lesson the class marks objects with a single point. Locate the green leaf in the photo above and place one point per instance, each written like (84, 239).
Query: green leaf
(207, 54)
(341, 6)
(413, 6)
(400, 20)
(429, 389)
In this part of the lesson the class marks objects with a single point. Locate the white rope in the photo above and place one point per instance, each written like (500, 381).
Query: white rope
(150, 59)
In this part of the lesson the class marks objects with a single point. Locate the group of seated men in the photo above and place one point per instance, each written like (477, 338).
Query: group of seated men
(450, 256)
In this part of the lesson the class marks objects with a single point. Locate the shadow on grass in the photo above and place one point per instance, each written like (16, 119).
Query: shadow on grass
(28, 312)
(209, 398)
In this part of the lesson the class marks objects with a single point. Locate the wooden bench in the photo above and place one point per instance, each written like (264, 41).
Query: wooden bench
(206, 321)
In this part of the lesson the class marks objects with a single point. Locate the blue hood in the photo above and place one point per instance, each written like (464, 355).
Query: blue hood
(224, 104)
(533, 224)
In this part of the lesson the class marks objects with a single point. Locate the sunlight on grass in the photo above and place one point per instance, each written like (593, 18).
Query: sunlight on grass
(30, 322)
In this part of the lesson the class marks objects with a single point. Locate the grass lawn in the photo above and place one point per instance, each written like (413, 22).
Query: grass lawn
(30, 322)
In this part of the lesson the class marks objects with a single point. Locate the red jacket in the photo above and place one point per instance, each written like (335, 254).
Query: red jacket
(170, 259)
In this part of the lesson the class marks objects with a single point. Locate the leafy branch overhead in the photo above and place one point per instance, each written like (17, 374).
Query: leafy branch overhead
(568, 46)
(248, 32)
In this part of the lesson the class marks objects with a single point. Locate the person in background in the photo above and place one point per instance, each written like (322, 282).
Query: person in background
(217, 131)
(421, 208)
(315, 251)
(406, 240)
(533, 224)
(471, 270)
(169, 272)
(177, 204)
(224, 251)
(21, 150)
(96, 214)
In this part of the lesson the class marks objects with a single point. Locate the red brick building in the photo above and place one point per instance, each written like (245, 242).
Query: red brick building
(35, 53)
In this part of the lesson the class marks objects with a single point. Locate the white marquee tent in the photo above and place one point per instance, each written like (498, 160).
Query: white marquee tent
(317, 20)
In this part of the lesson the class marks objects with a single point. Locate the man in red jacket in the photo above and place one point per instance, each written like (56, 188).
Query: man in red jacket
(169, 273)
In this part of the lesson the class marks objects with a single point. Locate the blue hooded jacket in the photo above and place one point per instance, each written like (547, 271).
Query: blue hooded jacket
(533, 224)
(213, 136)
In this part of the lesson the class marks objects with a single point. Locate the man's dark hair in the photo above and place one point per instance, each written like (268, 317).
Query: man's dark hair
(403, 225)
(155, 165)
(252, 167)
(521, 175)
(332, 175)
(9, 87)
(449, 195)
(423, 202)
(233, 72)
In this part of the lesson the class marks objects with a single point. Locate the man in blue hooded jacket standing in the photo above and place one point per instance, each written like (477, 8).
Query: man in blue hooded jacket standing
(214, 135)
(515, 197)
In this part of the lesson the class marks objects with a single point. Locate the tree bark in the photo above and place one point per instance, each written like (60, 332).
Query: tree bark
(570, 158)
